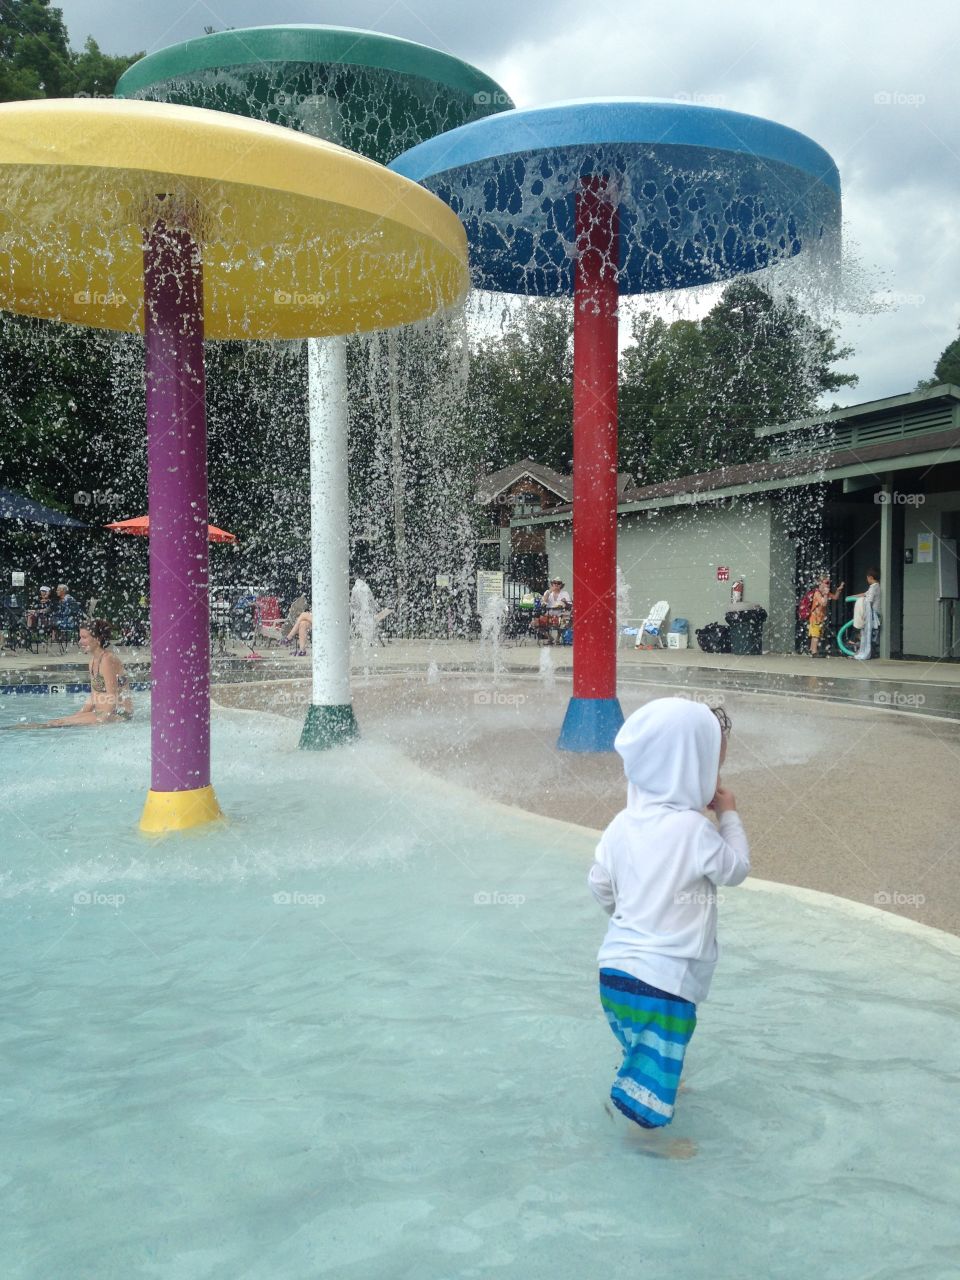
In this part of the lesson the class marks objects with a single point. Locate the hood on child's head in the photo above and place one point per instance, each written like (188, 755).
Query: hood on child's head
(671, 753)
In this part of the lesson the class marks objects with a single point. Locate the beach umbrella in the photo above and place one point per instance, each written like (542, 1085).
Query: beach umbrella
(140, 527)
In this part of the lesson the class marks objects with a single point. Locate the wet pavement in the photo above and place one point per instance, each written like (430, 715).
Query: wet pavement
(901, 696)
(929, 688)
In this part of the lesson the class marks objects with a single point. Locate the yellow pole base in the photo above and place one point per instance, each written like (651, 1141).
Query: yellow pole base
(179, 810)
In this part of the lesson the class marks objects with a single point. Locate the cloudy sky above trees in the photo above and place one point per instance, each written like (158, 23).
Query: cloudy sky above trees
(876, 85)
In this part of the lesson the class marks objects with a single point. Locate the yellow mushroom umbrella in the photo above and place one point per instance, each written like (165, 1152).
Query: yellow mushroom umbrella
(190, 224)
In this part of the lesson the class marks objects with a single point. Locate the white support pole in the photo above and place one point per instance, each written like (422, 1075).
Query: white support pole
(886, 565)
(330, 718)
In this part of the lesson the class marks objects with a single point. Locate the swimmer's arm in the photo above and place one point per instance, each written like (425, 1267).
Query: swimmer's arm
(724, 851)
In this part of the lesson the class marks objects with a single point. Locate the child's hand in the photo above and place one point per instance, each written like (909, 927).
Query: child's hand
(724, 801)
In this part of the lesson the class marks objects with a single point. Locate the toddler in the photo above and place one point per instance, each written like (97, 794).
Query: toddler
(657, 867)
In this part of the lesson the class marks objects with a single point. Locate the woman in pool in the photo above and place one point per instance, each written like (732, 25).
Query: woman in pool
(109, 700)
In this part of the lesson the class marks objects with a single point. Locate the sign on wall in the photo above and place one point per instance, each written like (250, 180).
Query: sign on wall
(924, 548)
(723, 573)
(489, 583)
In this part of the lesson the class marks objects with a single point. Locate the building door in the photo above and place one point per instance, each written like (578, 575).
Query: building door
(823, 545)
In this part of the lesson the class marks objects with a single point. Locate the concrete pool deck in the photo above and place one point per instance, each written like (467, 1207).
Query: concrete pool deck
(846, 772)
(848, 799)
(466, 654)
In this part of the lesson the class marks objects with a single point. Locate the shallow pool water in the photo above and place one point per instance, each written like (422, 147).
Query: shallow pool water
(355, 1034)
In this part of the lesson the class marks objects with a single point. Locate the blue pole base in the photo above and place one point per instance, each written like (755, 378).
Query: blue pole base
(591, 724)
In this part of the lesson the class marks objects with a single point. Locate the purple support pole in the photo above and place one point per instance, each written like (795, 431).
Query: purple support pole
(180, 793)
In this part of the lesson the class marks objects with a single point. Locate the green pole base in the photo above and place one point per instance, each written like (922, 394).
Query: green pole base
(327, 727)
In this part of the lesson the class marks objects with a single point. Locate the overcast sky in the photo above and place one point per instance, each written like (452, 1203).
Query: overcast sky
(875, 84)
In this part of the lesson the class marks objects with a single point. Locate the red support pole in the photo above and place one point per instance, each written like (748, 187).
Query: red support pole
(594, 714)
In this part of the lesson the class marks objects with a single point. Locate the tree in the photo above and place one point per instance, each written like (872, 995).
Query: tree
(34, 54)
(36, 60)
(520, 401)
(95, 74)
(694, 393)
(662, 399)
(947, 368)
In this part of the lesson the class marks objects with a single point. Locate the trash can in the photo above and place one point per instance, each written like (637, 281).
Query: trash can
(714, 638)
(746, 628)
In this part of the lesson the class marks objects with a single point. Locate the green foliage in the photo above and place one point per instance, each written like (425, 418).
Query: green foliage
(95, 74)
(695, 392)
(36, 60)
(520, 401)
(34, 54)
(259, 461)
(63, 428)
(691, 393)
(948, 366)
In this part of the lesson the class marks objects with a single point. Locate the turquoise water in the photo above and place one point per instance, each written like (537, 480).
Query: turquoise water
(355, 1034)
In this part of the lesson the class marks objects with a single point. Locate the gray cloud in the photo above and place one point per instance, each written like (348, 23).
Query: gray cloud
(874, 86)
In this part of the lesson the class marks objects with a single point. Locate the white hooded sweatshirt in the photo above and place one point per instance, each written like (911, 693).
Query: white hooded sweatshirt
(659, 861)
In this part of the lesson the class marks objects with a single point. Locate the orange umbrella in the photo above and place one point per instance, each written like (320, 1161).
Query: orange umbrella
(140, 526)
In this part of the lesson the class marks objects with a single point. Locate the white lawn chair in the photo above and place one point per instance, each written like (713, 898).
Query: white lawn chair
(628, 629)
(652, 627)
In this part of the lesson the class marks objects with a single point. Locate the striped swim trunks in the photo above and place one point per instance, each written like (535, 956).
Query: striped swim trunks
(654, 1029)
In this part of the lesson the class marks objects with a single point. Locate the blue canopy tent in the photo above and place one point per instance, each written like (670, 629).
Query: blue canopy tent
(21, 509)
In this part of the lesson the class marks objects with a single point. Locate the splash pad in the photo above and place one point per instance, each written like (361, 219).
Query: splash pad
(377, 95)
(597, 199)
(334, 1125)
(379, 1052)
(188, 224)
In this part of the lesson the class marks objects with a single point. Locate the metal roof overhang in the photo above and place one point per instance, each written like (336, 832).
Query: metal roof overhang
(908, 462)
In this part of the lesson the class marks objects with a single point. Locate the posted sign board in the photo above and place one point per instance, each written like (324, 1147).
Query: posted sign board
(489, 583)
